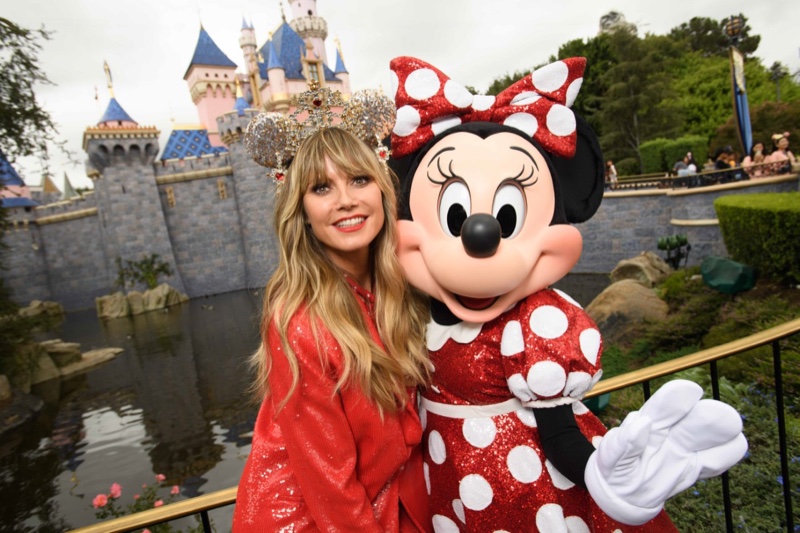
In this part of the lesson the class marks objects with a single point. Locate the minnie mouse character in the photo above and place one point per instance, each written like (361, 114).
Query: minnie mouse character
(489, 187)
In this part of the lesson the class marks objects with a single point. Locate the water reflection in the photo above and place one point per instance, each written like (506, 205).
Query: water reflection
(174, 402)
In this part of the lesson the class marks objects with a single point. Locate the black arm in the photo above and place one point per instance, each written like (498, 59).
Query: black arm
(562, 441)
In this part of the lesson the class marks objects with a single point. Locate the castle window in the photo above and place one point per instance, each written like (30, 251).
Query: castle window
(223, 192)
(216, 75)
(314, 71)
(170, 196)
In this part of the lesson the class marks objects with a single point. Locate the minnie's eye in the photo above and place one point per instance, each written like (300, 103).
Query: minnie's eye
(454, 207)
(509, 209)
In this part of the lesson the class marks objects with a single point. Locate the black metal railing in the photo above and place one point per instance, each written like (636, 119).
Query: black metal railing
(201, 505)
(699, 179)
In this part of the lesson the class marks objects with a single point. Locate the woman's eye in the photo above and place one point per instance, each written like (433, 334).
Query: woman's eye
(509, 209)
(361, 180)
(322, 188)
(454, 207)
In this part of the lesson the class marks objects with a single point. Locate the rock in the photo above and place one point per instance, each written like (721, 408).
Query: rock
(62, 353)
(136, 303)
(727, 276)
(5, 390)
(647, 268)
(23, 407)
(38, 307)
(623, 306)
(46, 370)
(161, 297)
(112, 306)
(89, 360)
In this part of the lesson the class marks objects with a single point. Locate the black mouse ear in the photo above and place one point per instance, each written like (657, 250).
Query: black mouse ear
(401, 169)
(581, 177)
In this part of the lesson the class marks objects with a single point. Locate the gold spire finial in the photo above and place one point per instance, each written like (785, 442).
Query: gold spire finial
(108, 78)
(239, 93)
(283, 15)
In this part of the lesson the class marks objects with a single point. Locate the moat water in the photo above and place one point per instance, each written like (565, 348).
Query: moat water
(174, 402)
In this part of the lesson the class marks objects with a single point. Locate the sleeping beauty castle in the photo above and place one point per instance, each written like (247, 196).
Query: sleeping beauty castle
(199, 202)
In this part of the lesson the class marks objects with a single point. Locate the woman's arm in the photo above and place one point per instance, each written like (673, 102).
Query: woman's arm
(319, 443)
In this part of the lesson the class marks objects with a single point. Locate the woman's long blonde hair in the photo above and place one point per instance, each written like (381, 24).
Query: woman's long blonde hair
(305, 276)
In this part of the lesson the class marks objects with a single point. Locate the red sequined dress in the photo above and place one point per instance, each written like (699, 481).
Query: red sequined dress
(484, 466)
(329, 461)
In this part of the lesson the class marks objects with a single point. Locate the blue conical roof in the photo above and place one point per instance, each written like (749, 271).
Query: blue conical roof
(240, 105)
(114, 112)
(339, 64)
(208, 53)
(8, 176)
(272, 59)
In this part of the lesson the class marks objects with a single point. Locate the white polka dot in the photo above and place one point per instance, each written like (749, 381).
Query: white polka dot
(579, 408)
(590, 344)
(457, 94)
(596, 440)
(436, 447)
(482, 102)
(524, 464)
(550, 518)
(394, 83)
(423, 417)
(479, 432)
(442, 524)
(573, 90)
(524, 122)
(512, 342)
(525, 98)
(475, 492)
(426, 472)
(443, 124)
(407, 121)
(500, 531)
(519, 387)
(526, 417)
(560, 120)
(560, 481)
(566, 297)
(549, 322)
(422, 83)
(458, 508)
(546, 378)
(550, 77)
(575, 524)
(577, 384)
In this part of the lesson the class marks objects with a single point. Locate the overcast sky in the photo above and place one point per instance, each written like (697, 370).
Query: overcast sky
(148, 45)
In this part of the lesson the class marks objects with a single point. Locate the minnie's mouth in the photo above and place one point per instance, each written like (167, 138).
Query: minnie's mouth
(476, 304)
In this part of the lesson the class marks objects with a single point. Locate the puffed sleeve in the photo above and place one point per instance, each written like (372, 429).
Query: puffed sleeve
(319, 443)
(551, 350)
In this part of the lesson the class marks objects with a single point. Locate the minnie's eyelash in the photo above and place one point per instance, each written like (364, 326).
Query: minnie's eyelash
(442, 172)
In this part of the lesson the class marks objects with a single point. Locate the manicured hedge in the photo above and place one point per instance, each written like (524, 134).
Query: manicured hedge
(660, 155)
(653, 156)
(763, 231)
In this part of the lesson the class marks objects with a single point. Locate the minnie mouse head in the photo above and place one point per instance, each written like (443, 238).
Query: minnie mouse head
(489, 185)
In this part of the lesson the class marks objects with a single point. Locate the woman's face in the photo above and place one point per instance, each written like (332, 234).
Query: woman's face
(783, 143)
(759, 147)
(345, 214)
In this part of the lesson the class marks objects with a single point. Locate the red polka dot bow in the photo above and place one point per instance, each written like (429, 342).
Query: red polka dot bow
(428, 103)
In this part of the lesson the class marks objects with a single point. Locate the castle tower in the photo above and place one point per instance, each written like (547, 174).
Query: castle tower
(120, 162)
(340, 71)
(276, 75)
(210, 77)
(311, 28)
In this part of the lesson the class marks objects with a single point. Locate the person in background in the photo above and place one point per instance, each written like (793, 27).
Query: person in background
(781, 154)
(691, 164)
(611, 175)
(336, 442)
(755, 157)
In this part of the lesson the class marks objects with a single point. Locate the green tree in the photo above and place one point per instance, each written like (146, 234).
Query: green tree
(707, 37)
(637, 105)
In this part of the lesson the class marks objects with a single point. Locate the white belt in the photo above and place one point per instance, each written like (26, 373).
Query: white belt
(471, 411)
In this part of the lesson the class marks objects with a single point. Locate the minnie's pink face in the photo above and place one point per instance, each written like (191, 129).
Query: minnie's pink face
(479, 266)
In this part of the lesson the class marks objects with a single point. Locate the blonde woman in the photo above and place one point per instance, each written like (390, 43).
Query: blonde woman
(335, 446)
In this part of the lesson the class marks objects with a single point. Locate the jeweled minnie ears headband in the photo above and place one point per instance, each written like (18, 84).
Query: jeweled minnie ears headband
(272, 139)
(428, 103)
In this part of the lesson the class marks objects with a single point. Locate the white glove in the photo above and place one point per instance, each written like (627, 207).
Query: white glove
(672, 441)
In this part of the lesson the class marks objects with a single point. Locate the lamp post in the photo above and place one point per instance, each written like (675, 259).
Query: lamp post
(733, 29)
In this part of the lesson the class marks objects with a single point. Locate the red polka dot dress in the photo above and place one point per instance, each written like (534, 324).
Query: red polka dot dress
(484, 466)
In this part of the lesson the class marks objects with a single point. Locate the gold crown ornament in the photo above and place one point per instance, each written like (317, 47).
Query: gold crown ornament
(272, 139)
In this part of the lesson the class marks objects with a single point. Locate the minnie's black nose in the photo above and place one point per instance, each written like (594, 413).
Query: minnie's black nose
(481, 234)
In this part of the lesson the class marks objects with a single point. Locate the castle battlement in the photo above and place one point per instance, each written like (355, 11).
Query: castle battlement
(171, 167)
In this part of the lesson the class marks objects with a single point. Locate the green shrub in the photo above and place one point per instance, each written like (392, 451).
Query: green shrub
(676, 149)
(653, 156)
(627, 167)
(763, 231)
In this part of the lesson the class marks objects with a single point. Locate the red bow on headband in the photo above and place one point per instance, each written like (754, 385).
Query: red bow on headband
(428, 102)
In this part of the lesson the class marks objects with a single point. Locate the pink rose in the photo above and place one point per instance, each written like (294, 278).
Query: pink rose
(158, 503)
(145, 531)
(175, 490)
(116, 490)
(100, 501)
(135, 496)
(160, 477)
